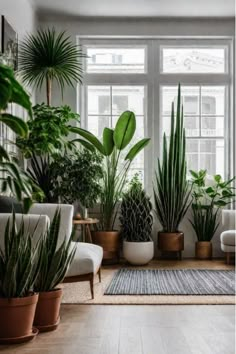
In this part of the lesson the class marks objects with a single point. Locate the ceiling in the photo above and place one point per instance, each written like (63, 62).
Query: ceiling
(138, 8)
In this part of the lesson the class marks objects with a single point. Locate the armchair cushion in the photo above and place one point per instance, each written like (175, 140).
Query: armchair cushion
(228, 237)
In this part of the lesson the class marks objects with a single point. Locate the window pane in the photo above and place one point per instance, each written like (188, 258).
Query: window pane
(127, 98)
(190, 99)
(96, 124)
(213, 100)
(99, 101)
(212, 126)
(193, 60)
(116, 60)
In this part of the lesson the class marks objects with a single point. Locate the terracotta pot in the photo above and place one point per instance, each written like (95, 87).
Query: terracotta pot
(169, 242)
(47, 315)
(138, 253)
(110, 242)
(203, 250)
(16, 318)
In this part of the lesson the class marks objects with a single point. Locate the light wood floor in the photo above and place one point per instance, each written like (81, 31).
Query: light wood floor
(135, 329)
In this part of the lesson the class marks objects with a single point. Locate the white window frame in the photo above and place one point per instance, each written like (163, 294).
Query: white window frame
(153, 79)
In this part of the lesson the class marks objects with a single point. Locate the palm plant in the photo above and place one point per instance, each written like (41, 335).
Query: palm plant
(115, 170)
(12, 177)
(171, 189)
(47, 56)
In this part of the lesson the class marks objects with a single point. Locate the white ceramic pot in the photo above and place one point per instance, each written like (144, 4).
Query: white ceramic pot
(138, 253)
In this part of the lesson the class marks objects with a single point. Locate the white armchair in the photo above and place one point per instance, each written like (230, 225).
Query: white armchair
(228, 237)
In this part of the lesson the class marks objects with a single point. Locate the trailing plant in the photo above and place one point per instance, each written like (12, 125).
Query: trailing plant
(18, 261)
(77, 177)
(116, 164)
(208, 199)
(171, 188)
(136, 214)
(45, 57)
(54, 258)
(12, 177)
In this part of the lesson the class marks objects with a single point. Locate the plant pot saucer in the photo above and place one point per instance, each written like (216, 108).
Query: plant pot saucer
(49, 328)
(23, 339)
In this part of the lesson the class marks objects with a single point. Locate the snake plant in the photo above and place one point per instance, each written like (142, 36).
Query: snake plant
(136, 214)
(54, 258)
(171, 188)
(18, 261)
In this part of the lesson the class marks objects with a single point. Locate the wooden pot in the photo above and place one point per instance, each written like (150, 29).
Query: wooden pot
(171, 242)
(47, 315)
(110, 242)
(203, 250)
(16, 319)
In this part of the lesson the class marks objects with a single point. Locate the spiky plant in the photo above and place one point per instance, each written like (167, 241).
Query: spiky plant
(136, 214)
(18, 261)
(55, 258)
(171, 188)
(47, 56)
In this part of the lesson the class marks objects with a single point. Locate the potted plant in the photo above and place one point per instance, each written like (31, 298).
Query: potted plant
(136, 225)
(209, 196)
(18, 271)
(116, 165)
(77, 176)
(55, 256)
(171, 188)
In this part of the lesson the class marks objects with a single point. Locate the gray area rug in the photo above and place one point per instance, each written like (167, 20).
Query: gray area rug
(172, 282)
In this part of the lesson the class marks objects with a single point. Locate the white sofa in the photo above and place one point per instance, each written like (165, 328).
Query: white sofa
(88, 257)
(228, 237)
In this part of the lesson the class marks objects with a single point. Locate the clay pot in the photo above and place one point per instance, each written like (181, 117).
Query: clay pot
(171, 242)
(110, 242)
(47, 315)
(203, 250)
(16, 318)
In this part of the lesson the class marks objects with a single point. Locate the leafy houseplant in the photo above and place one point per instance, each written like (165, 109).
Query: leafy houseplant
(46, 57)
(55, 256)
(136, 224)
(77, 177)
(12, 177)
(171, 189)
(208, 198)
(18, 271)
(116, 168)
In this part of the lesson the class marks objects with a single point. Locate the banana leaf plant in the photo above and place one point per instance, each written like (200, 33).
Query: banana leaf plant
(171, 188)
(116, 167)
(12, 177)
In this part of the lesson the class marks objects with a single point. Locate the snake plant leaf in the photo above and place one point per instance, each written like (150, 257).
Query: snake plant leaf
(108, 141)
(16, 124)
(140, 145)
(124, 130)
(89, 137)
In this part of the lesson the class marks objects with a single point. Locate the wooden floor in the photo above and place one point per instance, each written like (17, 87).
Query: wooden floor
(135, 329)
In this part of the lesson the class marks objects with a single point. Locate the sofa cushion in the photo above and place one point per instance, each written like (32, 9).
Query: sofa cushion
(9, 204)
(228, 237)
(88, 258)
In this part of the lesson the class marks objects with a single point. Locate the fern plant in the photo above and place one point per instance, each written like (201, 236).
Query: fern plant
(54, 258)
(18, 261)
(136, 214)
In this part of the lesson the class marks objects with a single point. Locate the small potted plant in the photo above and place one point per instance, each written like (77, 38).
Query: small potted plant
(18, 270)
(209, 196)
(116, 164)
(171, 188)
(136, 224)
(55, 257)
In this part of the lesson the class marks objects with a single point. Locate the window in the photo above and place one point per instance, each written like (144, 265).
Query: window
(142, 75)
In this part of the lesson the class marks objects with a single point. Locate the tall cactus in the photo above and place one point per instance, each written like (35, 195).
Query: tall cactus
(171, 188)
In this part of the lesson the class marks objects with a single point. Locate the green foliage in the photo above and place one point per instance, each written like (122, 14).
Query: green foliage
(136, 214)
(18, 261)
(46, 56)
(207, 201)
(77, 177)
(54, 258)
(12, 177)
(171, 189)
(116, 167)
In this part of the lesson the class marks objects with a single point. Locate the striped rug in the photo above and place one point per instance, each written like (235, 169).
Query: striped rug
(172, 282)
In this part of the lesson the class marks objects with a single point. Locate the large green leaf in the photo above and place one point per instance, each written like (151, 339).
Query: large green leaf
(90, 137)
(16, 124)
(124, 129)
(140, 145)
(108, 141)
(85, 143)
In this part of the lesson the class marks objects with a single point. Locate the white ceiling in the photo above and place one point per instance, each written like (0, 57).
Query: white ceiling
(138, 8)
